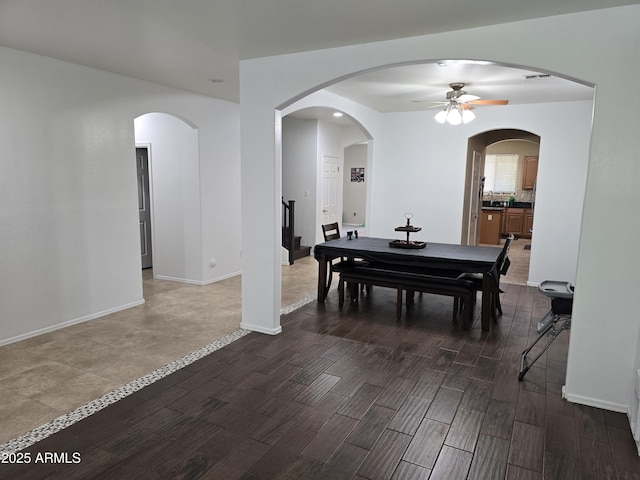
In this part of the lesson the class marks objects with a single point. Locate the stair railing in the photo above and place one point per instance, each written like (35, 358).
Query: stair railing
(288, 209)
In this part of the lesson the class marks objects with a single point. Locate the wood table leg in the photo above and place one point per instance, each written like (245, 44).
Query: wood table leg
(485, 313)
(322, 279)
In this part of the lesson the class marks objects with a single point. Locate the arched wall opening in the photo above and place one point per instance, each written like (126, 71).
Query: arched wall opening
(419, 155)
(174, 188)
(609, 197)
(313, 138)
(443, 180)
(477, 194)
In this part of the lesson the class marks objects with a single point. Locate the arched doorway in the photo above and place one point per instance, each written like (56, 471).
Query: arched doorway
(436, 155)
(174, 194)
(310, 136)
(312, 139)
(492, 212)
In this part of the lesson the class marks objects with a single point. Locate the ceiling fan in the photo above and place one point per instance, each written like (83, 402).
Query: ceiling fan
(458, 105)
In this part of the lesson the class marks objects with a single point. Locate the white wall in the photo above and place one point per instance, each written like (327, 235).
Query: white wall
(70, 247)
(421, 169)
(355, 193)
(600, 45)
(299, 173)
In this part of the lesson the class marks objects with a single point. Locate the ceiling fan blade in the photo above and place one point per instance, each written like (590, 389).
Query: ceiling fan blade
(440, 106)
(465, 97)
(431, 101)
(428, 104)
(489, 102)
(467, 106)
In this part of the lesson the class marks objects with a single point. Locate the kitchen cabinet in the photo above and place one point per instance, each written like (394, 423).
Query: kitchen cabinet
(528, 223)
(491, 227)
(530, 173)
(518, 221)
(514, 221)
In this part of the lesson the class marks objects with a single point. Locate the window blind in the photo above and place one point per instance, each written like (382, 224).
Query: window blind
(501, 172)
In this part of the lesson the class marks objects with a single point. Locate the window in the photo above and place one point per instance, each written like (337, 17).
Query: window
(501, 173)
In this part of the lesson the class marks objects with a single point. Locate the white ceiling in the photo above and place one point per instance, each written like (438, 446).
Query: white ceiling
(416, 87)
(187, 43)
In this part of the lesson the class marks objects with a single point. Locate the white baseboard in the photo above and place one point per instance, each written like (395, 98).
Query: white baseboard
(223, 277)
(197, 282)
(594, 402)
(261, 329)
(284, 256)
(69, 323)
(180, 280)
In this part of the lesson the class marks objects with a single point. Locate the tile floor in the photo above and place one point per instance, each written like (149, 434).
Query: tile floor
(47, 376)
(518, 272)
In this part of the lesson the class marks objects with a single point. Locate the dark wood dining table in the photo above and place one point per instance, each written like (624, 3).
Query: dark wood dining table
(434, 257)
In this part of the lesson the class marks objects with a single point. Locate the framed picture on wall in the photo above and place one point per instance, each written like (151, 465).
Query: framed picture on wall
(357, 174)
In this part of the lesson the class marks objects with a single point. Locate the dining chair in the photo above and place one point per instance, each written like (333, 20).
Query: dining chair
(331, 231)
(502, 266)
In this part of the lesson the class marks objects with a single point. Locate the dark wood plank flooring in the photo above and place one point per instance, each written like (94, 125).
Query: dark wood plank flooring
(353, 394)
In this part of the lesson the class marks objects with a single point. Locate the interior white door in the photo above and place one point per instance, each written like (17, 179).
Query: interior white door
(331, 183)
(475, 199)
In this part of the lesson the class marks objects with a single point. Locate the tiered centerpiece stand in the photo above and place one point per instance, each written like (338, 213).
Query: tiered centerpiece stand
(409, 229)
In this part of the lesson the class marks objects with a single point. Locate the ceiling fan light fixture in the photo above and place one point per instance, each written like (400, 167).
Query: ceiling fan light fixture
(454, 117)
(441, 116)
(458, 105)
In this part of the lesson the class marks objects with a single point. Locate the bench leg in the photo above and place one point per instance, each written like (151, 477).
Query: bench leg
(467, 312)
(410, 298)
(353, 290)
(340, 292)
(399, 303)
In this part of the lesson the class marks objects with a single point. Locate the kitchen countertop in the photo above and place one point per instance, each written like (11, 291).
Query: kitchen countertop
(488, 206)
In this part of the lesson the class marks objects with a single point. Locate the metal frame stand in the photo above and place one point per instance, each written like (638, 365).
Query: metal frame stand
(556, 321)
(553, 332)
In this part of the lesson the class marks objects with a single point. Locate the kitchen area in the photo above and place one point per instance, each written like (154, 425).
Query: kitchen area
(500, 218)
(508, 201)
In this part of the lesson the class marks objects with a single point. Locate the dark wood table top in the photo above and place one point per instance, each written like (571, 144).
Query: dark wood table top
(467, 258)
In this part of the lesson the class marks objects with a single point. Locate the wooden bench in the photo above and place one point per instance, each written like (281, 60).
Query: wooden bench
(465, 290)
